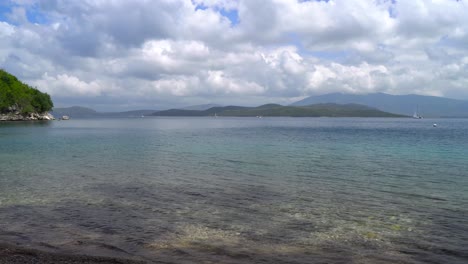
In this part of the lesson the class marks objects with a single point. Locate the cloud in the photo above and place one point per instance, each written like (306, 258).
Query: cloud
(6, 30)
(173, 51)
(65, 85)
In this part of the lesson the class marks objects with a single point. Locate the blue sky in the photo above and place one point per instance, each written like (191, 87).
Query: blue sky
(33, 13)
(129, 55)
(232, 15)
(5, 9)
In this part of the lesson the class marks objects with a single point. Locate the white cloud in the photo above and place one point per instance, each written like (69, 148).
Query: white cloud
(176, 87)
(218, 82)
(65, 85)
(184, 50)
(6, 29)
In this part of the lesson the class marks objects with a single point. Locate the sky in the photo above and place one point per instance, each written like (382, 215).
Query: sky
(155, 54)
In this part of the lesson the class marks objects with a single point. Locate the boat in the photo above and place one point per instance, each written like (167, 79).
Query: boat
(416, 114)
(65, 117)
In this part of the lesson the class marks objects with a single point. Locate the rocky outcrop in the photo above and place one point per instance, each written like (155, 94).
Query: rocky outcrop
(16, 116)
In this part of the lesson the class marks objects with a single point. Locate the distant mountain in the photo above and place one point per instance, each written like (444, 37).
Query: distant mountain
(428, 106)
(317, 110)
(135, 113)
(201, 107)
(74, 111)
(209, 112)
(84, 112)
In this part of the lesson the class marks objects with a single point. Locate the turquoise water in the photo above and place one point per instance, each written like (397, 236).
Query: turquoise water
(239, 190)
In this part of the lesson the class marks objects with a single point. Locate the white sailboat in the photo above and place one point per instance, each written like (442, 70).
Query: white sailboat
(416, 114)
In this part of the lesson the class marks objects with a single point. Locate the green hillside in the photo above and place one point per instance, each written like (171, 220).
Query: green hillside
(209, 112)
(317, 110)
(427, 106)
(17, 96)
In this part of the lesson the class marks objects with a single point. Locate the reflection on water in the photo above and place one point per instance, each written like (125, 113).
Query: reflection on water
(19, 124)
(239, 190)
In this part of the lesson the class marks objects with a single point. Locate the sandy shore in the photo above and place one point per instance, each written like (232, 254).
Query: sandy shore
(18, 255)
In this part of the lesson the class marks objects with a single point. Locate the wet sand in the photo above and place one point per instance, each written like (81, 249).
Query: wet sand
(18, 255)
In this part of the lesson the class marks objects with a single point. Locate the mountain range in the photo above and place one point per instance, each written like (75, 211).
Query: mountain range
(84, 112)
(427, 106)
(333, 104)
(316, 110)
(201, 107)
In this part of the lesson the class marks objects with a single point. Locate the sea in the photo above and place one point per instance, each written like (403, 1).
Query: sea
(238, 190)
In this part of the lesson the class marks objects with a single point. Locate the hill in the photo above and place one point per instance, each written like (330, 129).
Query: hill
(134, 113)
(317, 110)
(429, 106)
(209, 112)
(75, 111)
(200, 107)
(19, 101)
(84, 112)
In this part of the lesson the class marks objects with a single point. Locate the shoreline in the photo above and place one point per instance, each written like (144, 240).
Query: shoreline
(16, 116)
(12, 254)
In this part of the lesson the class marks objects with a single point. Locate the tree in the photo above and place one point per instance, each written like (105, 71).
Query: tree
(15, 94)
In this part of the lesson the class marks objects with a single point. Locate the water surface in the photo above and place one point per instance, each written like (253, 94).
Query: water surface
(239, 190)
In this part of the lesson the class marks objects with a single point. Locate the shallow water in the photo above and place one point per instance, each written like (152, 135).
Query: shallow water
(239, 190)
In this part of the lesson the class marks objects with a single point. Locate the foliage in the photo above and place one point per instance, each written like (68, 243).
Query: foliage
(16, 95)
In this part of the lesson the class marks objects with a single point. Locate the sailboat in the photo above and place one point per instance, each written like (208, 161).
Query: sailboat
(416, 114)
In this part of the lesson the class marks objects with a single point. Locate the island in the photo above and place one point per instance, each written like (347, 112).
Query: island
(273, 110)
(21, 102)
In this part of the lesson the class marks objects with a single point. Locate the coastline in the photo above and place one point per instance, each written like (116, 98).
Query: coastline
(29, 117)
(21, 255)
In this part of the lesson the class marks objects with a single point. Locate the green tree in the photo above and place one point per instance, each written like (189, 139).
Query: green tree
(14, 93)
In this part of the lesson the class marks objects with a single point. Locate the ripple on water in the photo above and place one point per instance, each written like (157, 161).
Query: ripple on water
(195, 190)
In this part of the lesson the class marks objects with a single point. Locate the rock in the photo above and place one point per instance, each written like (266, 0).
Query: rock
(46, 116)
(16, 116)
